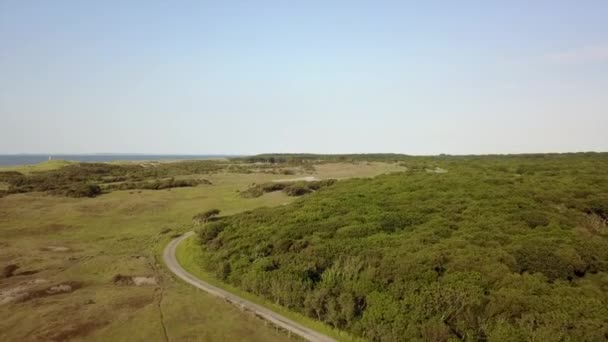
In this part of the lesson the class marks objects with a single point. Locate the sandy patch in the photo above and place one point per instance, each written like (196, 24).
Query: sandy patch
(141, 281)
(61, 288)
(30, 290)
(120, 279)
(57, 249)
(305, 179)
(19, 292)
(436, 170)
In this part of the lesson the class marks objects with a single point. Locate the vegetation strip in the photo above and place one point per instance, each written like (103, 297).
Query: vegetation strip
(278, 320)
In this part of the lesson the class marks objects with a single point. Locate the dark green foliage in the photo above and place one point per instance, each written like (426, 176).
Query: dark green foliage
(210, 231)
(259, 189)
(223, 271)
(552, 260)
(290, 188)
(297, 189)
(509, 248)
(82, 190)
(534, 218)
(158, 184)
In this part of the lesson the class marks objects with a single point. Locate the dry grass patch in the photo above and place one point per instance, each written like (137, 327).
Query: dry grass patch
(116, 233)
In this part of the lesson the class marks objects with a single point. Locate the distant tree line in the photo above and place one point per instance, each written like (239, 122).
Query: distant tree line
(91, 179)
(158, 184)
(297, 188)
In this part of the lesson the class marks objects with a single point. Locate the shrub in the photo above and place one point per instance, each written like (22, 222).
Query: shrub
(223, 271)
(548, 259)
(159, 184)
(83, 190)
(534, 219)
(210, 231)
(70, 180)
(297, 190)
(206, 216)
(290, 188)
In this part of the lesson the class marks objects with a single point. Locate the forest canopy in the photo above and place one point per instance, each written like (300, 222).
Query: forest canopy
(484, 248)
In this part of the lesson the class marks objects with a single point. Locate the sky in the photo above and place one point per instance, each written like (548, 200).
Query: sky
(246, 77)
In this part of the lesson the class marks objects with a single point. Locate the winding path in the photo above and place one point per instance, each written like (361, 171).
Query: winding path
(258, 310)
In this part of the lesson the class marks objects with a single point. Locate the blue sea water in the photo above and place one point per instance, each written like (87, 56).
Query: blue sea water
(28, 159)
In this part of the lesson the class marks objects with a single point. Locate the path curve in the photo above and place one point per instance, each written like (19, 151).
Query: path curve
(244, 304)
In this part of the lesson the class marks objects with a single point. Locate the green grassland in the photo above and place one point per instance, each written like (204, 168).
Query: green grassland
(40, 167)
(88, 241)
(499, 248)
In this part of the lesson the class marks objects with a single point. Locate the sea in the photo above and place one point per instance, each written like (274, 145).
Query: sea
(29, 159)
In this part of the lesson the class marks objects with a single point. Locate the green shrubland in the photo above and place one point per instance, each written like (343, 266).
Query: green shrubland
(77, 179)
(206, 216)
(89, 179)
(297, 188)
(500, 248)
(158, 184)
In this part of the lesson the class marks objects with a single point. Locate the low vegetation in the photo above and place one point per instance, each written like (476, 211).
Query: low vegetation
(206, 216)
(307, 158)
(50, 244)
(491, 248)
(89, 179)
(158, 184)
(298, 188)
(92, 179)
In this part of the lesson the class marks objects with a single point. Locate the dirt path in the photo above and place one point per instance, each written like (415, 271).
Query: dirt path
(258, 310)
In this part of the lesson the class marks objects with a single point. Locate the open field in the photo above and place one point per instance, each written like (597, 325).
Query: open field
(71, 251)
(44, 166)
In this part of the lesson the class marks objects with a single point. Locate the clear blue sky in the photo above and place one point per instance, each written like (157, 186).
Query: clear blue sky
(417, 77)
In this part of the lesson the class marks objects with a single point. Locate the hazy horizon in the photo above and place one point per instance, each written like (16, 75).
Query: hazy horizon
(52, 154)
(346, 77)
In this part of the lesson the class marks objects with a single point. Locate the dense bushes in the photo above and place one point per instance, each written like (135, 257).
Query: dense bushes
(210, 231)
(82, 190)
(65, 183)
(89, 179)
(144, 175)
(298, 188)
(498, 248)
(158, 184)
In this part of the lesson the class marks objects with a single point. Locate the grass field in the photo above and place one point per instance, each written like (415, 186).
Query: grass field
(84, 243)
(44, 166)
